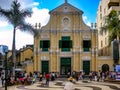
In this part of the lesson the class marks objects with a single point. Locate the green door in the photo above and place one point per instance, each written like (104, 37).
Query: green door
(45, 67)
(65, 66)
(86, 67)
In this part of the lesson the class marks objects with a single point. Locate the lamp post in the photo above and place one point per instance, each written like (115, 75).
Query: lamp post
(6, 71)
(5, 51)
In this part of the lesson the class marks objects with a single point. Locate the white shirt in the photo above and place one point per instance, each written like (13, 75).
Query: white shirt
(69, 86)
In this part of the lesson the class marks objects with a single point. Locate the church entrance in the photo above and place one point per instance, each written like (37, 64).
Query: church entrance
(86, 67)
(65, 65)
(45, 67)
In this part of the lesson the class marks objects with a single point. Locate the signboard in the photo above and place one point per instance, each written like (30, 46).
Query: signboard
(117, 72)
(3, 49)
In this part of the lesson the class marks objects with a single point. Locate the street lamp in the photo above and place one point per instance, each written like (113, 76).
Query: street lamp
(5, 51)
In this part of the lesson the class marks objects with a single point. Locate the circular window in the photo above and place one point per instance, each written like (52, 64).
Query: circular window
(65, 7)
(65, 21)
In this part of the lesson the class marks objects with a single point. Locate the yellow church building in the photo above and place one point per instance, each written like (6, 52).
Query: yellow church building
(66, 43)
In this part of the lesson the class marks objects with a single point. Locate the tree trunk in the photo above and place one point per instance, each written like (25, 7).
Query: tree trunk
(14, 51)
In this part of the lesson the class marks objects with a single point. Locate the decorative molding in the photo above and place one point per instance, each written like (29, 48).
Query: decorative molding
(65, 30)
(44, 37)
(86, 37)
(65, 54)
(86, 58)
(66, 23)
(44, 58)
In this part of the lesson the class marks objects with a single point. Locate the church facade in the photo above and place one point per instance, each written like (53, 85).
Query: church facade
(66, 43)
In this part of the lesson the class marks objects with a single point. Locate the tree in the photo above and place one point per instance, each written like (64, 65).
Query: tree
(16, 17)
(112, 24)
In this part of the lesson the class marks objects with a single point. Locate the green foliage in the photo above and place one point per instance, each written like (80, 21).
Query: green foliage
(112, 23)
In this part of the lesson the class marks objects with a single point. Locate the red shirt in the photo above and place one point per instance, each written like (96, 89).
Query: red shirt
(47, 76)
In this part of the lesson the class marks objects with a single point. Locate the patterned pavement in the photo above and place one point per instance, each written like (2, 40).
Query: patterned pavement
(59, 85)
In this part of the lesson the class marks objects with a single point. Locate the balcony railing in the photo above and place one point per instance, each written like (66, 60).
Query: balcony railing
(117, 8)
(86, 49)
(113, 1)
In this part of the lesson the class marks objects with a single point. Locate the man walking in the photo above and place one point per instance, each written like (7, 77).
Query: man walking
(47, 76)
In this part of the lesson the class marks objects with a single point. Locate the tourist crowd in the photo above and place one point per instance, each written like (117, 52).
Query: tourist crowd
(24, 78)
(27, 79)
(94, 75)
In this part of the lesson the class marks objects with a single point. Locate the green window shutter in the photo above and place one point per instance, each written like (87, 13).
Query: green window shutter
(83, 44)
(65, 49)
(86, 49)
(65, 61)
(45, 49)
(70, 43)
(48, 43)
(66, 38)
(60, 44)
(41, 44)
(89, 44)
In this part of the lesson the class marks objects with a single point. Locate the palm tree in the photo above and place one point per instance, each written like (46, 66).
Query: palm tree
(16, 17)
(112, 24)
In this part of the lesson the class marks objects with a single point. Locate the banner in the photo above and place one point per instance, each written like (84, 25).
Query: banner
(117, 72)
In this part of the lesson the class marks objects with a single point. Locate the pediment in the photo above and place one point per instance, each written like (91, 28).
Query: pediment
(66, 8)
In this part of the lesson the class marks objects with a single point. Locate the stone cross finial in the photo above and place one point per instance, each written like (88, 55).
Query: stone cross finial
(66, 1)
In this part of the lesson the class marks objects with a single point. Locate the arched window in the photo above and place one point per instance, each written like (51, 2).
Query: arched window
(105, 67)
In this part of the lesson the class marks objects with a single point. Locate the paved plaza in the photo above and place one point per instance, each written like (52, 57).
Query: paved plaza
(59, 85)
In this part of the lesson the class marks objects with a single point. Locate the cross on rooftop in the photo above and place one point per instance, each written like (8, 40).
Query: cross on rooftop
(66, 1)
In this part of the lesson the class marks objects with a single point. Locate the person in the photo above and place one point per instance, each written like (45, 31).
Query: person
(69, 85)
(12, 80)
(34, 78)
(77, 76)
(68, 74)
(40, 77)
(47, 76)
(52, 76)
(2, 78)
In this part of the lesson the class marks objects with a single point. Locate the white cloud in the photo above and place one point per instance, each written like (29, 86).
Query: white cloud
(39, 16)
(22, 38)
(6, 38)
(31, 5)
(85, 19)
(3, 23)
(36, 3)
(88, 23)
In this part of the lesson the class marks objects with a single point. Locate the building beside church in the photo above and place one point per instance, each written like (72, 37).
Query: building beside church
(105, 53)
(104, 9)
(66, 43)
(24, 59)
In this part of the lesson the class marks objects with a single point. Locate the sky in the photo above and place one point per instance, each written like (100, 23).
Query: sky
(40, 9)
